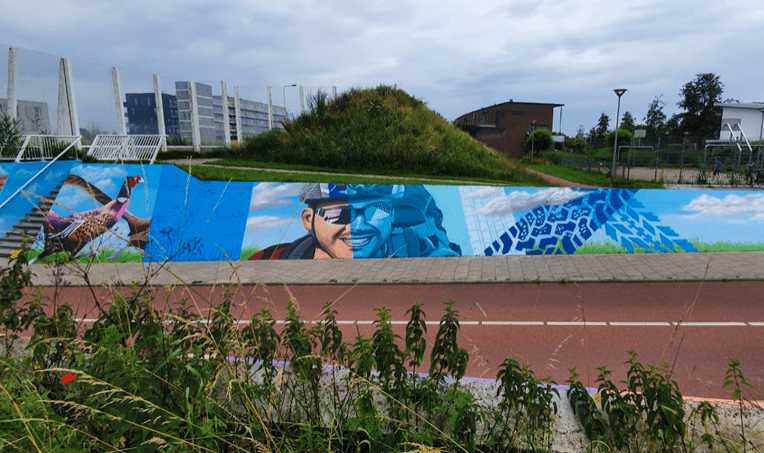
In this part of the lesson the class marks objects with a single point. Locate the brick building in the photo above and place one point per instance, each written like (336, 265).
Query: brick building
(504, 127)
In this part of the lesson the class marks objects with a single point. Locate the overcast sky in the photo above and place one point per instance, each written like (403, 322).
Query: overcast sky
(456, 56)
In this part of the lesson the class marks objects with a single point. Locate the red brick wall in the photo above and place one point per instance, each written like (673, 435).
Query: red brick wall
(515, 120)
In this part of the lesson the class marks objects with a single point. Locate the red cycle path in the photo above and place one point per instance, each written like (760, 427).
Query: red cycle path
(693, 326)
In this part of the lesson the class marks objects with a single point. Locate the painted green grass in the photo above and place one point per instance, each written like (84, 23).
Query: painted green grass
(128, 256)
(727, 246)
(246, 252)
(612, 247)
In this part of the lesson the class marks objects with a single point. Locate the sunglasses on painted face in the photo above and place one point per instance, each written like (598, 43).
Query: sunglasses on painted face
(343, 215)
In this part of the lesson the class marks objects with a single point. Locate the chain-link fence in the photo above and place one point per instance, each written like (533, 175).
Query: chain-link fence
(680, 160)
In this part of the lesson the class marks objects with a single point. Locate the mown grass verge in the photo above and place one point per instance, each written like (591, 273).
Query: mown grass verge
(592, 177)
(213, 172)
(298, 169)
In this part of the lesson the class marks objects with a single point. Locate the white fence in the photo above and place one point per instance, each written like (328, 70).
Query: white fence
(127, 147)
(44, 147)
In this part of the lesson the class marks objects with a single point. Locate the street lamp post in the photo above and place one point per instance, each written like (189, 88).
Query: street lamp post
(286, 114)
(619, 92)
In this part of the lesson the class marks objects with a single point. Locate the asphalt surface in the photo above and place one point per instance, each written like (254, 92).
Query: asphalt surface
(691, 311)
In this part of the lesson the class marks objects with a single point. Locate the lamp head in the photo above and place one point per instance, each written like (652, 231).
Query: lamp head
(620, 91)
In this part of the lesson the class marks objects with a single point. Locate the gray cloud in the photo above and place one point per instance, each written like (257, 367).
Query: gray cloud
(456, 56)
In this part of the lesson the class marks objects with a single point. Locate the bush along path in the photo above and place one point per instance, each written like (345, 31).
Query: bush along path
(150, 376)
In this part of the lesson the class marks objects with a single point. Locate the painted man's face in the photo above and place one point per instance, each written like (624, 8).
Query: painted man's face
(359, 229)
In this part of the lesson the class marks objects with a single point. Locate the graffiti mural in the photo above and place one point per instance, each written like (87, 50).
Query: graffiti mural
(353, 221)
(102, 211)
(161, 213)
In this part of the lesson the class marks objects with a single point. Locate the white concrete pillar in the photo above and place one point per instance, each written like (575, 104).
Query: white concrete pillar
(237, 107)
(196, 135)
(118, 101)
(270, 110)
(302, 100)
(226, 124)
(160, 110)
(67, 122)
(334, 93)
(13, 72)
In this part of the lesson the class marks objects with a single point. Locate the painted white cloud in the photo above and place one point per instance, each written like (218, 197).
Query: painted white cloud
(272, 195)
(731, 206)
(262, 223)
(522, 201)
(481, 194)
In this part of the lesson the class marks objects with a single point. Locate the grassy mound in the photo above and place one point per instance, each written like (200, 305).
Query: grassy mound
(382, 131)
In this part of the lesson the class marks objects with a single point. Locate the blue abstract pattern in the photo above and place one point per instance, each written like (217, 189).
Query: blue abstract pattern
(569, 225)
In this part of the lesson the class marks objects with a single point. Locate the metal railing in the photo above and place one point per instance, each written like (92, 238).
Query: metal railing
(42, 147)
(20, 189)
(127, 147)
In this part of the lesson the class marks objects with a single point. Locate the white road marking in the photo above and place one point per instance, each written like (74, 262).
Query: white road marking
(528, 323)
(513, 323)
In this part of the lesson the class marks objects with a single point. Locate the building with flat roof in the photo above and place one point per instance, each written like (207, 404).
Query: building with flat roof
(254, 117)
(204, 110)
(505, 126)
(141, 111)
(34, 116)
(750, 116)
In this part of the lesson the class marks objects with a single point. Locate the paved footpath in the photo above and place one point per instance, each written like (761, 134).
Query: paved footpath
(717, 266)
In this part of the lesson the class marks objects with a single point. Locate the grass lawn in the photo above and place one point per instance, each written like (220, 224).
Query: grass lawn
(304, 173)
(592, 178)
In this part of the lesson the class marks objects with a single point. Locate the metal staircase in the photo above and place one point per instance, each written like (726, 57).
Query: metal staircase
(28, 227)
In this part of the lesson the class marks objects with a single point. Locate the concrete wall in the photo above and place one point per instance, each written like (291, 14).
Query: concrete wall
(170, 215)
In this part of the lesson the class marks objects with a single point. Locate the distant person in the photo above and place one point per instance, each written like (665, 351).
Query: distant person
(717, 168)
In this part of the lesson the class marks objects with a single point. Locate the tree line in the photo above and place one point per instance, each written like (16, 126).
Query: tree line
(700, 118)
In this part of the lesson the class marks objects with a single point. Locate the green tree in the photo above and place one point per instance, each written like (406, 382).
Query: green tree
(540, 140)
(598, 133)
(655, 120)
(577, 144)
(627, 122)
(581, 132)
(701, 118)
(625, 137)
(10, 136)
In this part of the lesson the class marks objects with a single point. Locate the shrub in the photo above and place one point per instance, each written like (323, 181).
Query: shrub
(540, 140)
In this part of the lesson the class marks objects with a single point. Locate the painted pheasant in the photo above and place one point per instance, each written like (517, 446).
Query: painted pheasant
(72, 233)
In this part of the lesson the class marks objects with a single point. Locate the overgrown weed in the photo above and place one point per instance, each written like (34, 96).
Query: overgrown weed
(152, 376)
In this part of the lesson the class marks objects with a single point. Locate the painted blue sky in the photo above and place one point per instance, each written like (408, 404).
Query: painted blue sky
(109, 179)
(274, 215)
(709, 215)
